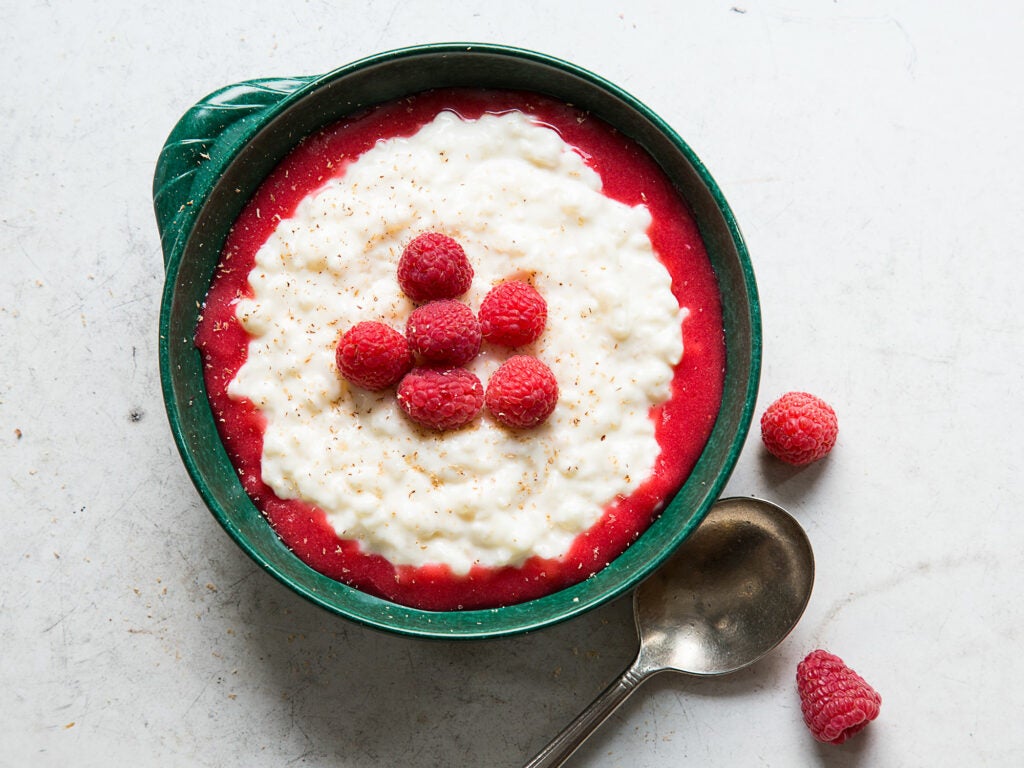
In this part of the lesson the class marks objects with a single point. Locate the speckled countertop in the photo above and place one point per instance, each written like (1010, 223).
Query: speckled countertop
(871, 152)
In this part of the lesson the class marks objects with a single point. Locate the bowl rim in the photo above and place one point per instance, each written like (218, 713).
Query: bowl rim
(381, 614)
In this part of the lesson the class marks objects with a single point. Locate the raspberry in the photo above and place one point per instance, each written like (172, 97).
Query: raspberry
(441, 398)
(522, 392)
(835, 700)
(799, 428)
(373, 356)
(513, 314)
(444, 332)
(433, 266)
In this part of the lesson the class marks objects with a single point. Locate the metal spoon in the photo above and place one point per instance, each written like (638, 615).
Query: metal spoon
(732, 592)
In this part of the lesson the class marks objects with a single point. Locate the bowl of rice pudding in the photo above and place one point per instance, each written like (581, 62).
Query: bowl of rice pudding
(285, 206)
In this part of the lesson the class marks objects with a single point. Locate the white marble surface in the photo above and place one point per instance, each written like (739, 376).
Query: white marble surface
(872, 154)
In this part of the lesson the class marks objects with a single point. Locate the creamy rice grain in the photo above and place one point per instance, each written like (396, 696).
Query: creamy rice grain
(523, 204)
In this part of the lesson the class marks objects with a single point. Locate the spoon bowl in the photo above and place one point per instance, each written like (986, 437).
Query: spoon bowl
(730, 593)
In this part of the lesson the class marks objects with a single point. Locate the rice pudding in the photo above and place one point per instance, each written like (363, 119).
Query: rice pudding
(484, 515)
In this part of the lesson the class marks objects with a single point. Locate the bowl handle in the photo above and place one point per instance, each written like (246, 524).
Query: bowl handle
(199, 146)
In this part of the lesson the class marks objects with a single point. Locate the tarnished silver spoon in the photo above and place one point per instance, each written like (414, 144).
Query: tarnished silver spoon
(731, 592)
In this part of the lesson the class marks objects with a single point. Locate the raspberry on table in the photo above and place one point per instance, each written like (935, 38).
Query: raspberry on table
(513, 314)
(799, 428)
(836, 702)
(444, 332)
(441, 398)
(434, 266)
(522, 393)
(373, 356)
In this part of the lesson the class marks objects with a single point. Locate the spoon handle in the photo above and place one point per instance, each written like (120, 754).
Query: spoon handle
(569, 740)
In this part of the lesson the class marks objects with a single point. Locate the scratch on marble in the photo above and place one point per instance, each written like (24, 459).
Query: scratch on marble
(918, 570)
(239, 580)
(59, 621)
(198, 695)
(911, 64)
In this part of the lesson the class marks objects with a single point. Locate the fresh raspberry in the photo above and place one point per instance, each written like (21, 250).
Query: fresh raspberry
(522, 393)
(373, 356)
(835, 700)
(441, 398)
(445, 332)
(513, 314)
(799, 428)
(433, 266)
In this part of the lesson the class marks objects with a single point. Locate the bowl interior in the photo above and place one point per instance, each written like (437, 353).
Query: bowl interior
(193, 256)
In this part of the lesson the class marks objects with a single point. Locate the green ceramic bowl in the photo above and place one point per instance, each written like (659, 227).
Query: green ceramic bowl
(225, 145)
